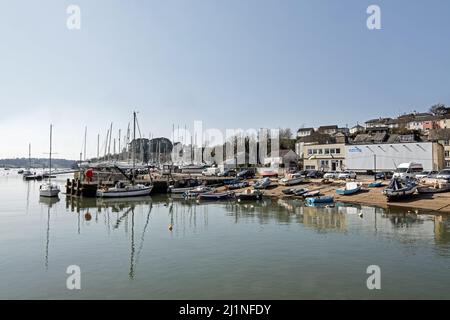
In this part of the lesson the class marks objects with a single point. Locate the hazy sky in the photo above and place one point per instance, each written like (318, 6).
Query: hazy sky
(229, 63)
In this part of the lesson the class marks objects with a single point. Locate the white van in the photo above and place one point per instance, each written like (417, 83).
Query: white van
(408, 170)
(213, 171)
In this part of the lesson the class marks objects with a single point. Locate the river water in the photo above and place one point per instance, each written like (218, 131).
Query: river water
(272, 249)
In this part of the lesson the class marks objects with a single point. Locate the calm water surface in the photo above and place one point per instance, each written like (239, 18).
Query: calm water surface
(265, 250)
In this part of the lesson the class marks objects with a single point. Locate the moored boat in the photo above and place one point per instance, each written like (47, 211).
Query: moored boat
(49, 189)
(192, 194)
(350, 188)
(216, 196)
(121, 190)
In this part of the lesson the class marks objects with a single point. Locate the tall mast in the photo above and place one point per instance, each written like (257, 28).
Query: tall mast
(85, 135)
(50, 157)
(134, 142)
(120, 150)
(29, 155)
(109, 146)
(98, 145)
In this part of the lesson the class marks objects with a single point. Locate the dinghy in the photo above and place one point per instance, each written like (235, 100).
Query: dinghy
(375, 184)
(350, 188)
(398, 189)
(312, 194)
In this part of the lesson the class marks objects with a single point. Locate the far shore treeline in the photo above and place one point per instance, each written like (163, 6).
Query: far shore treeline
(37, 163)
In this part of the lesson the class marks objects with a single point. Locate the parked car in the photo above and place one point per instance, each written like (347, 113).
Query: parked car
(331, 175)
(227, 173)
(347, 175)
(303, 173)
(314, 174)
(385, 175)
(245, 174)
(444, 174)
(426, 174)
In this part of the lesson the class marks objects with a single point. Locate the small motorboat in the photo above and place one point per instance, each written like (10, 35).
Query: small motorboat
(20, 171)
(238, 185)
(249, 194)
(262, 184)
(399, 189)
(216, 196)
(192, 194)
(33, 176)
(317, 200)
(350, 188)
(375, 184)
(291, 180)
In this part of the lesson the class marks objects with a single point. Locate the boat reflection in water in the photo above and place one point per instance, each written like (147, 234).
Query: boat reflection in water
(186, 217)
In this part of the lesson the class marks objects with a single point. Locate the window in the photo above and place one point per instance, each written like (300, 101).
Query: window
(338, 151)
(447, 164)
(447, 153)
(310, 167)
(310, 151)
(327, 151)
(320, 151)
(446, 142)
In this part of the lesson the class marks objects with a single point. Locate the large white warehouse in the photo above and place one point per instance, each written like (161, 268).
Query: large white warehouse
(387, 156)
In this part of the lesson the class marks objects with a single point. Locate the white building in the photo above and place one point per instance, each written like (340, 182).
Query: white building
(385, 156)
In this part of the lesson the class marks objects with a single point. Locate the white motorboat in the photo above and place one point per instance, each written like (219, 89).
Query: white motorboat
(49, 189)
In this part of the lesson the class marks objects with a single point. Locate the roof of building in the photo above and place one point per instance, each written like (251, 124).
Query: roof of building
(378, 120)
(317, 137)
(327, 127)
(305, 129)
(439, 134)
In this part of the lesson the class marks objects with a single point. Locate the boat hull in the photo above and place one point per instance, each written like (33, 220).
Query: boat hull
(346, 192)
(215, 196)
(123, 193)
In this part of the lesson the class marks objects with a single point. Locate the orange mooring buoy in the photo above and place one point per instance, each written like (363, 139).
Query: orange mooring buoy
(87, 216)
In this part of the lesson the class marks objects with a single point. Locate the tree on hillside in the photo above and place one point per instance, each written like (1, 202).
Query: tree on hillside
(439, 109)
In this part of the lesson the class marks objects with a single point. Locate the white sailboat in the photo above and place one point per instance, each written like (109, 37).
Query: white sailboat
(49, 189)
(27, 172)
(121, 189)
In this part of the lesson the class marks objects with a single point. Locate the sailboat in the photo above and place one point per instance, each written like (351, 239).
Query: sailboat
(27, 172)
(49, 189)
(121, 189)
